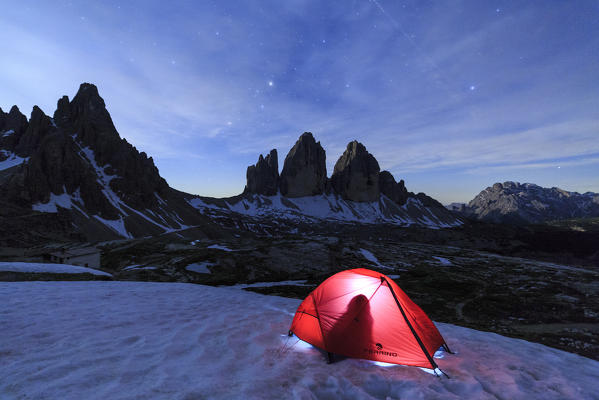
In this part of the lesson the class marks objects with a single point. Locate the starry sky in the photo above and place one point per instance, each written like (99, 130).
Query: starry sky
(450, 96)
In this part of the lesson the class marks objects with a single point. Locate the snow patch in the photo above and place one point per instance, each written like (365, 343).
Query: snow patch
(49, 268)
(219, 247)
(8, 133)
(137, 266)
(117, 225)
(372, 258)
(12, 160)
(62, 200)
(443, 261)
(201, 268)
(131, 267)
(369, 256)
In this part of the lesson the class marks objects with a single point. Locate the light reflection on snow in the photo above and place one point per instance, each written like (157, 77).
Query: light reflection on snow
(303, 346)
(384, 364)
(293, 342)
(429, 371)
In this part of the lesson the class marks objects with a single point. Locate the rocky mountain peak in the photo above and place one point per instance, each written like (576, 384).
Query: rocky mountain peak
(14, 110)
(15, 120)
(37, 113)
(356, 174)
(62, 115)
(12, 126)
(39, 126)
(88, 96)
(263, 177)
(304, 170)
(90, 120)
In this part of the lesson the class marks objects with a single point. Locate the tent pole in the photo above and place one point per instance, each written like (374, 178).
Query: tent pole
(424, 350)
(446, 347)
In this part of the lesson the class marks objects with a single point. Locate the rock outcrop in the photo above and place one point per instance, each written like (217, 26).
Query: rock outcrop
(263, 178)
(39, 126)
(12, 126)
(356, 174)
(304, 170)
(426, 200)
(395, 191)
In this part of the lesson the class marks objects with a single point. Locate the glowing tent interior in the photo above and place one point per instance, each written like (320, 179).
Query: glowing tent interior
(361, 313)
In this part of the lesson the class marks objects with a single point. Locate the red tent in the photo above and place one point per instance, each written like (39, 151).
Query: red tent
(361, 313)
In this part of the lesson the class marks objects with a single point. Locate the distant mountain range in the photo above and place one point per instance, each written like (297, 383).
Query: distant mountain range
(515, 203)
(72, 175)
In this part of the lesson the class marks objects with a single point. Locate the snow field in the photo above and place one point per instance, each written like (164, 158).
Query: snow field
(138, 340)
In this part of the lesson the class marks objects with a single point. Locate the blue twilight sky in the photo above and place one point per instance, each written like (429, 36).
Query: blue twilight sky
(450, 96)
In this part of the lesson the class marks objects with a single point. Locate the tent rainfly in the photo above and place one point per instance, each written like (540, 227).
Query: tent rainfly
(361, 313)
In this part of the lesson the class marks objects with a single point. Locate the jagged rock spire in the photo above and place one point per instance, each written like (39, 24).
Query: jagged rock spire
(395, 191)
(263, 178)
(356, 174)
(304, 171)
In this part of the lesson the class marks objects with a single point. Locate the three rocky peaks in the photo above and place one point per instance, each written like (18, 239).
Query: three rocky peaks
(356, 175)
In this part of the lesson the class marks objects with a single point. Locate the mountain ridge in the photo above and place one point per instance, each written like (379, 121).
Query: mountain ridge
(524, 203)
(76, 171)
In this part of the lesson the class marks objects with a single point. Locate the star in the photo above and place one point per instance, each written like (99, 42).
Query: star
(270, 83)
(472, 88)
